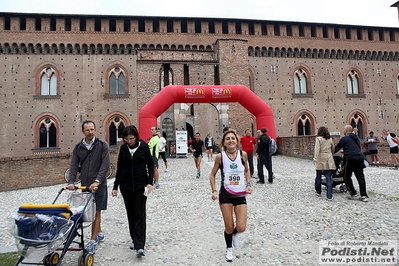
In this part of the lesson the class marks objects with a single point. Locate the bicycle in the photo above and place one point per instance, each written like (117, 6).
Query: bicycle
(110, 174)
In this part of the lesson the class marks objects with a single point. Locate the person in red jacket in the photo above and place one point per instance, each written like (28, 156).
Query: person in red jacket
(248, 143)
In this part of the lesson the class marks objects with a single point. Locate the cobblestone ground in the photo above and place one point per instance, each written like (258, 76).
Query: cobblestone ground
(286, 220)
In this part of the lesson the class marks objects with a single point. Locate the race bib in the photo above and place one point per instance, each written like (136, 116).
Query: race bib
(235, 183)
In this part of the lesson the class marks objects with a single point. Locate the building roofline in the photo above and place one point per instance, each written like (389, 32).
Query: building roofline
(14, 14)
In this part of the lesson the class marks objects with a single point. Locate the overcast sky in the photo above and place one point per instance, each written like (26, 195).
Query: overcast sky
(352, 12)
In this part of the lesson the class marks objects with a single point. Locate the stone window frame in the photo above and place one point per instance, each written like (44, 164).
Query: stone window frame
(37, 123)
(309, 117)
(42, 70)
(308, 74)
(353, 119)
(117, 118)
(105, 80)
(359, 74)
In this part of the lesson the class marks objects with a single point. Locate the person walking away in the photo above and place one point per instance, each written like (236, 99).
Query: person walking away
(162, 150)
(324, 160)
(90, 157)
(392, 140)
(209, 144)
(265, 158)
(153, 145)
(354, 163)
(248, 142)
(134, 178)
(371, 142)
(196, 149)
(235, 184)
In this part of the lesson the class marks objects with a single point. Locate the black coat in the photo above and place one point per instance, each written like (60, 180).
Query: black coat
(134, 172)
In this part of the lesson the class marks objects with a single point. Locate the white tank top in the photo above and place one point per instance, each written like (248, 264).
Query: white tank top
(234, 178)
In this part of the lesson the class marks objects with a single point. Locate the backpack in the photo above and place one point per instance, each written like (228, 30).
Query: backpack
(272, 146)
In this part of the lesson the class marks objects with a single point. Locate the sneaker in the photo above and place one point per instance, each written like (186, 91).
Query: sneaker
(353, 197)
(140, 253)
(395, 168)
(100, 237)
(91, 247)
(229, 254)
(131, 245)
(318, 194)
(166, 170)
(364, 199)
(236, 240)
(332, 197)
(259, 182)
(198, 175)
(156, 185)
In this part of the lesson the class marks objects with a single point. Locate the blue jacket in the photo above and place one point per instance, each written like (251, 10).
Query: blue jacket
(351, 145)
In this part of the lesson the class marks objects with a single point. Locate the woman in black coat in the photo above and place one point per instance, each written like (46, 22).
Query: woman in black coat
(134, 178)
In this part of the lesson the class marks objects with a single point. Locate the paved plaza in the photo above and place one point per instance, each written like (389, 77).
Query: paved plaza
(286, 220)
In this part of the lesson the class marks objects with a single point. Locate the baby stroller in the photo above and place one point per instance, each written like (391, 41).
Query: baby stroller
(337, 176)
(40, 230)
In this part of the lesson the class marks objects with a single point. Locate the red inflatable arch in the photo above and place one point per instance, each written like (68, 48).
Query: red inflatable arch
(205, 94)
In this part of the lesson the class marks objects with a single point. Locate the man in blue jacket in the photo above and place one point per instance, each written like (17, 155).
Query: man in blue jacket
(354, 159)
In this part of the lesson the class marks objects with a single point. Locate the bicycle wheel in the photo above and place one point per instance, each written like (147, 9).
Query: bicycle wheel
(111, 170)
(66, 176)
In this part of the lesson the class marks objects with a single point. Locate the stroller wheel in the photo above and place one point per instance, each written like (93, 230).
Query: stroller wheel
(86, 260)
(54, 258)
(46, 260)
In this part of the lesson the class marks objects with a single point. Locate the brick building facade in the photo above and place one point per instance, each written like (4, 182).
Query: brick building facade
(58, 70)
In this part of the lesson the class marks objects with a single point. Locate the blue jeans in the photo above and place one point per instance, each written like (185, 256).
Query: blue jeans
(317, 182)
(265, 160)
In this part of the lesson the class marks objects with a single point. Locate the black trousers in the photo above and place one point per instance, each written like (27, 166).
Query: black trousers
(355, 164)
(135, 204)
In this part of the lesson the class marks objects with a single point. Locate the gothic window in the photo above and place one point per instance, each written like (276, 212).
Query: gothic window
(166, 76)
(48, 82)
(46, 132)
(116, 126)
(357, 122)
(116, 81)
(304, 125)
(397, 85)
(300, 82)
(353, 82)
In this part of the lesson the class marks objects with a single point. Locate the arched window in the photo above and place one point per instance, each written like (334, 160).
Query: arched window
(357, 121)
(353, 82)
(397, 85)
(115, 123)
(300, 82)
(116, 81)
(115, 130)
(304, 125)
(46, 136)
(48, 82)
(48, 77)
(116, 77)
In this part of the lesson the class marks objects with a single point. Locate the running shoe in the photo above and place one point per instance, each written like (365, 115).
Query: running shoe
(364, 199)
(140, 253)
(131, 245)
(156, 185)
(198, 175)
(229, 254)
(100, 237)
(91, 247)
(353, 197)
(236, 240)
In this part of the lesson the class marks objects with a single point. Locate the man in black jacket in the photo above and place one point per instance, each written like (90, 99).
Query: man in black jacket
(354, 158)
(265, 158)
